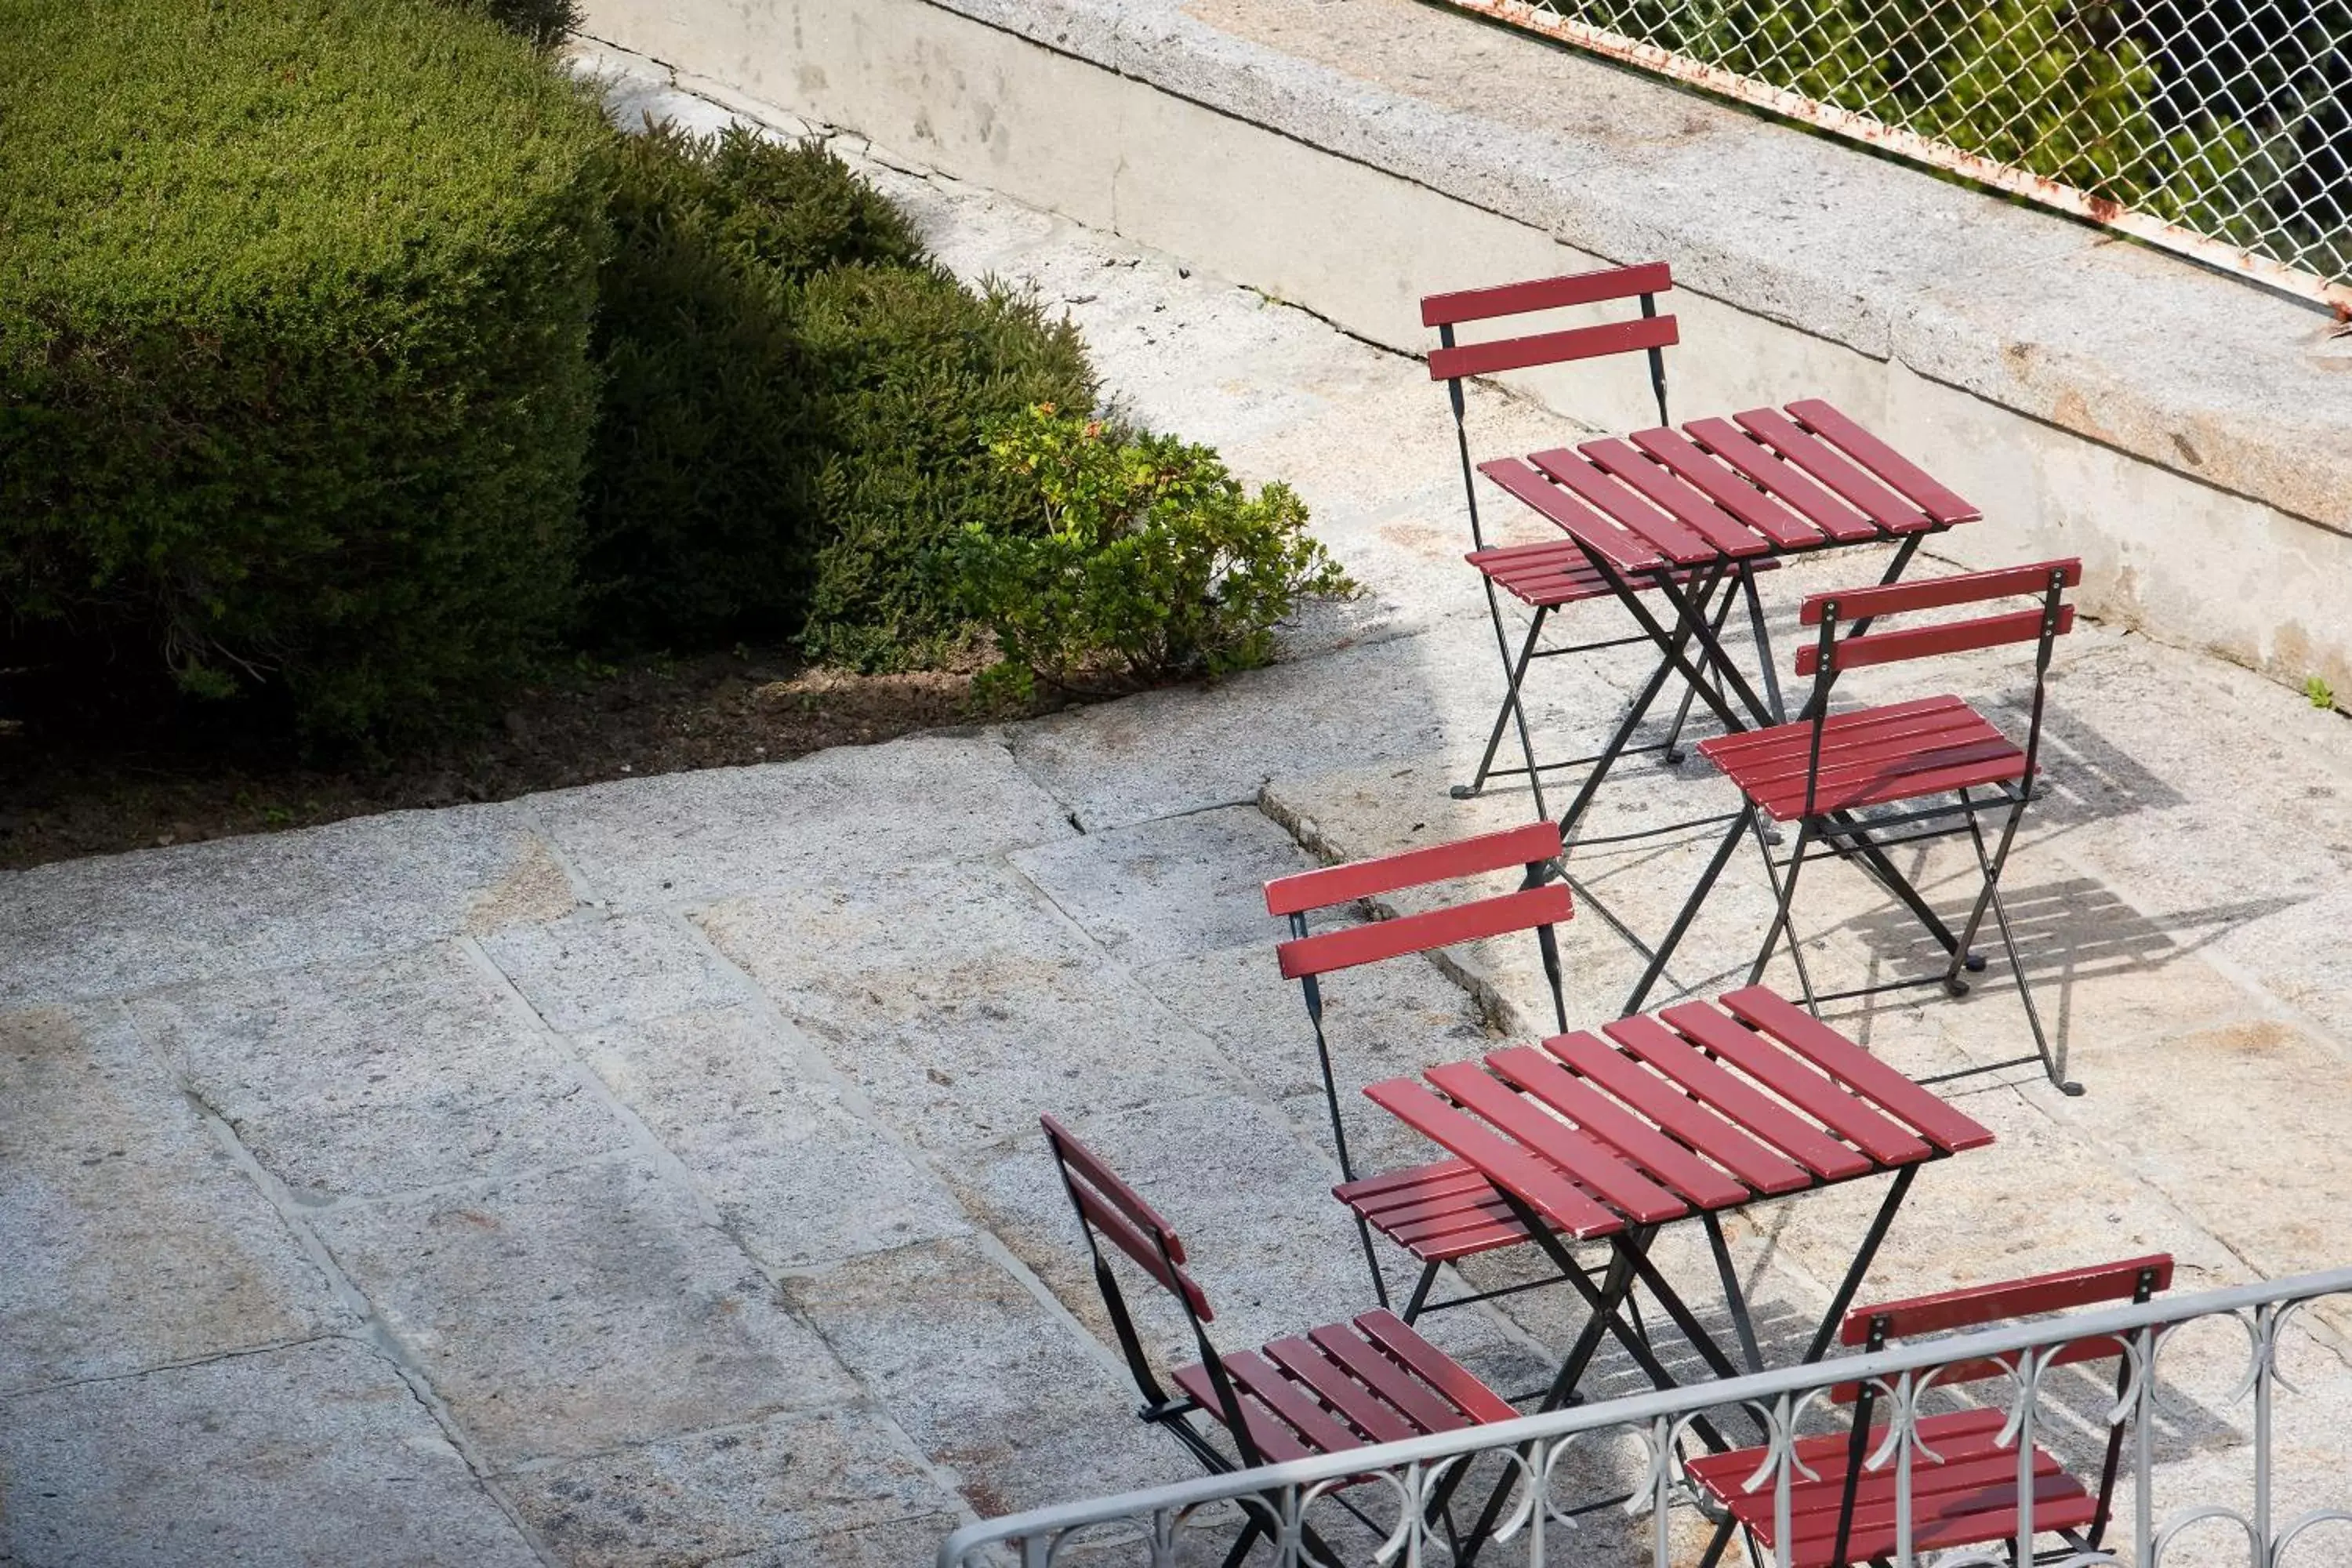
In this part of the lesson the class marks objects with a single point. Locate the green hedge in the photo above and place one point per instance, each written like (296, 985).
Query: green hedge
(796, 397)
(294, 308)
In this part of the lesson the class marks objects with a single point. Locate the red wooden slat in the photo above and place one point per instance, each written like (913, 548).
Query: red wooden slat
(1930, 493)
(1784, 481)
(1552, 348)
(1781, 1071)
(1679, 544)
(1796, 738)
(1853, 749)
(1441, 1175)
(1129, 1238)
(1420, 1404)
(1727, 488)
(1629, 552)
(1826, 463)
(1317, 1427)
(1664, 1159)
(1900, 784)
(1925, 642)
(1435, 1368)
(1690, 506)
(1539, 1185)
(1362, 1409)
(1969, 1518)
(1957, 1496)
(1275, 1439)
(1524, 910)
(1446, 1215)
(1545, 294)
(1800, 1141)
(1760, 1166)
(1514, 846)
(1945, 1125)
(2098, 1347)
(1854, 753)
(1825, 1453)
(1894, 775)
(1936, 593)
(1897, 767)
(1591, 1164)
(1092, 1166)
(2011, 1298)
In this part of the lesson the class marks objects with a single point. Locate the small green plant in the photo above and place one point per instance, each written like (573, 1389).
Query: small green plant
(1151, 561)
(2318, 693)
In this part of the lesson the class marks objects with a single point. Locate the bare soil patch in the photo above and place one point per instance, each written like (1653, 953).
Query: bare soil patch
(78, 779)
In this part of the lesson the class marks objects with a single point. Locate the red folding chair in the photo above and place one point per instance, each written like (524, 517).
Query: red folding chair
(1330, 1389)
(1963, 1467)
(1442, 1212)
(1550, 576)
(1862, 783)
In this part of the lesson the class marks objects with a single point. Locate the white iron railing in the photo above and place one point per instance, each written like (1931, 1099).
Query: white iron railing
(2240, 1508)
(2218, 128)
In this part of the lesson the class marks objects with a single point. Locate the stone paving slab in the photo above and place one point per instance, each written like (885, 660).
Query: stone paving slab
(951, 994)
(685, 838)
(569, 1312)
(796, 1175)
(362, 1079)
(310, 1454)
(345, 891)
(980, 1374)
(814, 1489)
(131, 1240)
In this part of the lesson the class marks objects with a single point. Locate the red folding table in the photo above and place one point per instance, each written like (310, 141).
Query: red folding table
(1673, 512)
(1689, 1112)
(1665, 509)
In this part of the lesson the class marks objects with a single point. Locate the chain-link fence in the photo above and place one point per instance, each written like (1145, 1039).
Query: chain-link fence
(2223, 128)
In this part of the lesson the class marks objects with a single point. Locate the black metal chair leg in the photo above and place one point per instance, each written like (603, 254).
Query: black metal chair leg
(1674, 752)
(1787, 890)
(2052, 1062)
(1666, 950)
(1515, 673)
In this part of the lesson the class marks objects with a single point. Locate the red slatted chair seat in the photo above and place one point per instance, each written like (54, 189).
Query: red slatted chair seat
(1969, 1498)
(1438, 1212)
(1547, 573)
(1873, 756)
(1346, 1385)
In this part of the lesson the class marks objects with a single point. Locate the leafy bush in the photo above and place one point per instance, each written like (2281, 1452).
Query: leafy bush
(294, 385)
(1153, 562)
(913, 370)
(701, 513)
(796, 397)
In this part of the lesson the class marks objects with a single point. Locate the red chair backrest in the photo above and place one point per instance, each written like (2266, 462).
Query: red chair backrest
(1498, 915)
(1118, 1213)
(1448, 311)
(1936, 593)
(1978, 1305)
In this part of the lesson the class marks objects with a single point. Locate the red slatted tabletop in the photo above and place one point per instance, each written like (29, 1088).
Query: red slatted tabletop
(1766, 482)
(1686, 1112)
(1667, 508)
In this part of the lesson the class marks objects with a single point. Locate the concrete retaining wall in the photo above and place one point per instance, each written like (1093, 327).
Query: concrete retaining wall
(2186, 435)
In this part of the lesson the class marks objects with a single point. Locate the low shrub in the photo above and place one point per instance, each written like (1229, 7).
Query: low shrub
(794, 401)
(294, 387)
(1151, 563)
(913, 369)
(700, 523)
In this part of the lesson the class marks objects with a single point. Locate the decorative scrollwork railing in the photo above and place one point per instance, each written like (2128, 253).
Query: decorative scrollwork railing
(2204, 1476)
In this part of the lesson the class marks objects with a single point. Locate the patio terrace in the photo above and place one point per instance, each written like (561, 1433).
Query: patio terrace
(649, 1173)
